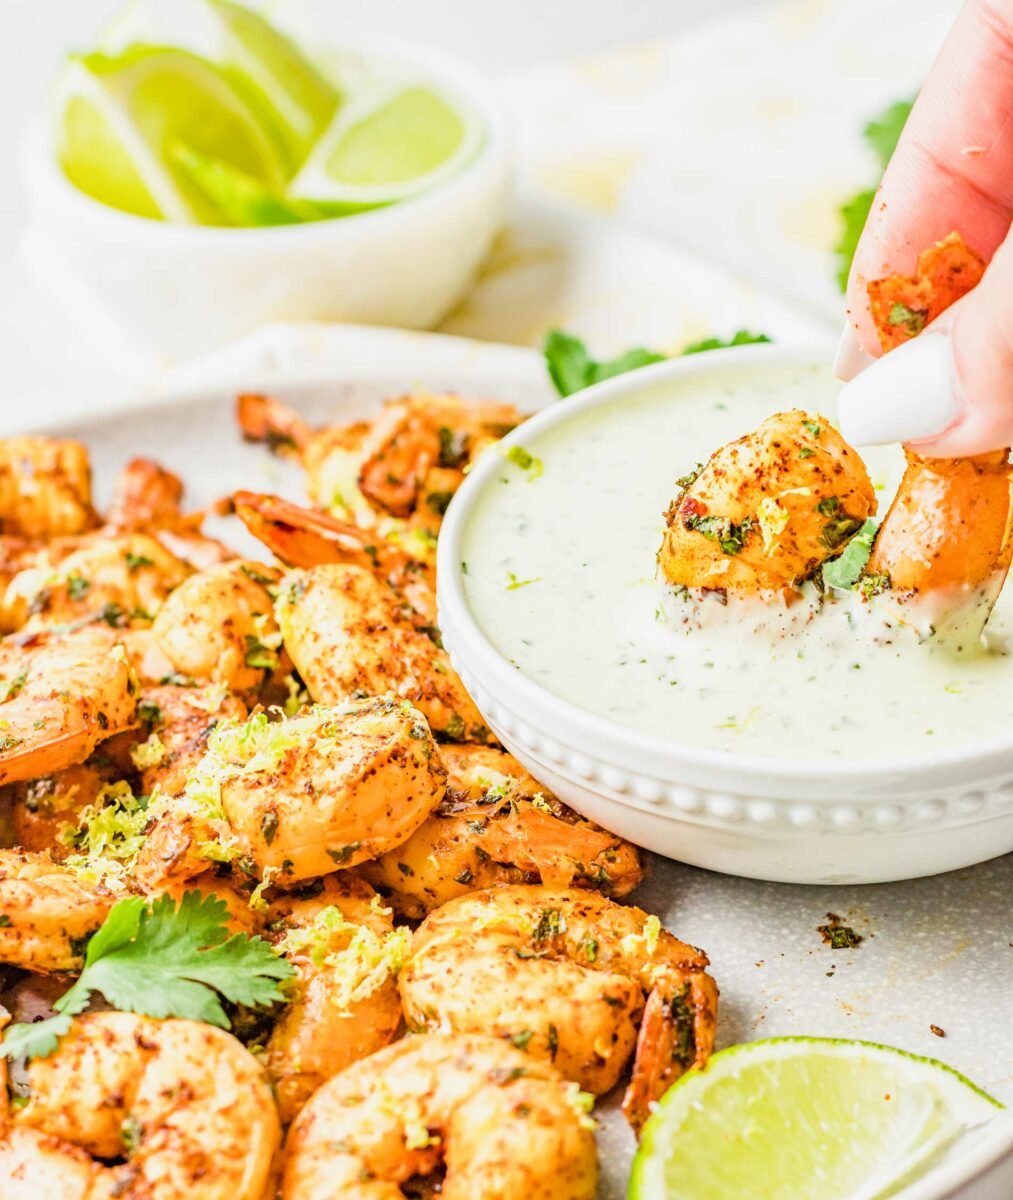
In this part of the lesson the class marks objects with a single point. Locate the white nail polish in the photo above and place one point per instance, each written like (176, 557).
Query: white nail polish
(908, 394)
(850, 359)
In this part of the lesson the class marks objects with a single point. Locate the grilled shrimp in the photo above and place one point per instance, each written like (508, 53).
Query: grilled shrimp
(300, 797)
(413, 457)
(45, 487)
(42, 809)
(302, 537)
(46, 913)
(179, 721)
(944, 548)
(62, 696)
(344, 999)
(187, 1107)
(348, 636)
(495, 825)
(568, 976)
(219, 626)
(767, 509)
(121, 580)
(505, 1127)
(145, 496)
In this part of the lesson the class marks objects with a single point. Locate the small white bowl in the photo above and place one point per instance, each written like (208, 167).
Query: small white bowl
(801, 822)
(177, 291)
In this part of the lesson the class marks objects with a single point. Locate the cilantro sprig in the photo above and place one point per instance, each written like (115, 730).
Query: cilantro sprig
(882, 134)
(572, 368)
(162, 961)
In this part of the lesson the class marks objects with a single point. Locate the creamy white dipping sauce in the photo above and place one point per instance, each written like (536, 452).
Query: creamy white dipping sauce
(560, 575)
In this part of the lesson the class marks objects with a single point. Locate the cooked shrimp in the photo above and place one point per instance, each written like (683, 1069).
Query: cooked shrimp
(120, 580)
(347, 636)
(300, 797)
(145, 495)
(264, 419)
(187, 1107)
(219, 626)
(415, 453)
(505, 1127)
(42, 809)
(179, 721)
(944, 548)
(302, 537)
(496, 824)
(344, 999)
(767, 509)
(46, 912)
(62, 696)
(568, 976)
(45, 487)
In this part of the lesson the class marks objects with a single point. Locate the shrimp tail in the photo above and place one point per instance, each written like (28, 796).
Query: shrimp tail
(676, 1033)
(264, 419)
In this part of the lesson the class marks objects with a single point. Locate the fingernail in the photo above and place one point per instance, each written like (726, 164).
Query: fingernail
(904, 396)
(850, 359)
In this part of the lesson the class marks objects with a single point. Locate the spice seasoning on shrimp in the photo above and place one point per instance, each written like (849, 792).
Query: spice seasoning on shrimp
(902, 305)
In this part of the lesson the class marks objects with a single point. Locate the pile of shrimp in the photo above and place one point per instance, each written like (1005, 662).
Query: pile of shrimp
(288, 733)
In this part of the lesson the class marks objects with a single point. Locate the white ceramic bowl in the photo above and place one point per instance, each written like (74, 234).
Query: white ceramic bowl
(179, 290)
(804, 822)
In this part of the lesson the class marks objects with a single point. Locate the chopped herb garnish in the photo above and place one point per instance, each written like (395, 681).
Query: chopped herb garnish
(806, 452)
(829, 506)
(77, 587)
(685, 482)
(837, 935)
(514, 583)
(525, 460)
(549, 925)
(344, 853)
(911, 320)
(269, 826)
(453, 447)
(113, 615)
(258, 655)
(730, 536)
(874, 584)
(136, 561)
(812, 428)
(520, 1040)
(439, 502)
(844, 572)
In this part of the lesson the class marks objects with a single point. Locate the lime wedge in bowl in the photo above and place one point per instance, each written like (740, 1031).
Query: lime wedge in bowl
(388, 145)
(804, 1119)
(119, 114)
(277, 79)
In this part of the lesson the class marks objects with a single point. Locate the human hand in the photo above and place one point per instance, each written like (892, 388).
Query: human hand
(949, 391)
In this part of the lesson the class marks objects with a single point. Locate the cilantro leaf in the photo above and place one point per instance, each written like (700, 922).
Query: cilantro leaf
(741, 337)
(37, 1040)
(572, 368)
(843, 572)
(163, 961)
(882, 134)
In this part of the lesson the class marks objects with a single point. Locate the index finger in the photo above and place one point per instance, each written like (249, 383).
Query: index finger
(953, 167)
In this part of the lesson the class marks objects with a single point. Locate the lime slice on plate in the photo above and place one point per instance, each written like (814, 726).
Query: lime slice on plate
(804, 1119)
(119, 114)
(278, 79)
(385, 147)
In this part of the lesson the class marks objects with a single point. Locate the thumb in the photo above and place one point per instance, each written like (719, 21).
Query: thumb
(949, 391)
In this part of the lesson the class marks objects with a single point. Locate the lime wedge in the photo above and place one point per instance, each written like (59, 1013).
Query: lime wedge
(277, 79)
(386, 148)
(804, 1119)
(118, 116)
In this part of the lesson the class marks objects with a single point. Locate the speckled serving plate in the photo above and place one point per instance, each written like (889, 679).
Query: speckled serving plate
(934, 952)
